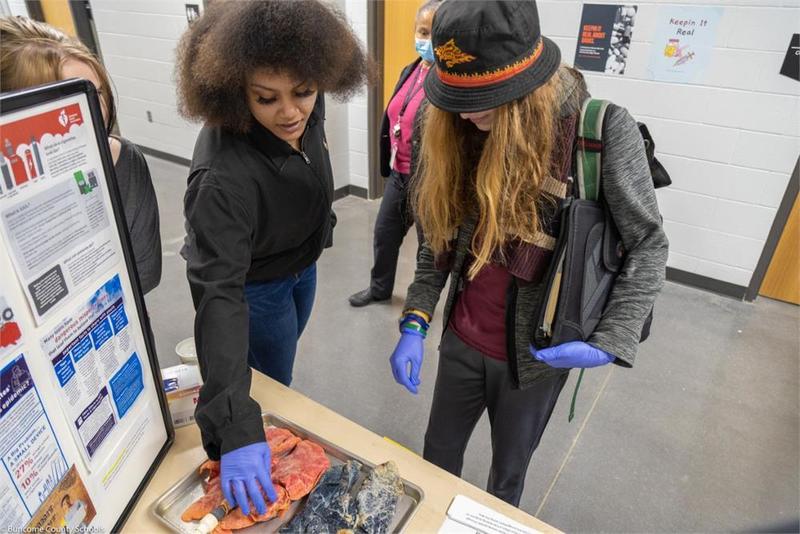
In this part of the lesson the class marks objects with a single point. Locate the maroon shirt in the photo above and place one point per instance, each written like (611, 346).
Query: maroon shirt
(479, 317)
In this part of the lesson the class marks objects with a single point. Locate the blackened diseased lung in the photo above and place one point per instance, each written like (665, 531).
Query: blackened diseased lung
(377, 500)
(329, 508)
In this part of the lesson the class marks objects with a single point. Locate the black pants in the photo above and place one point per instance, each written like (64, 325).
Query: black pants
(469, 382)
(394, 220)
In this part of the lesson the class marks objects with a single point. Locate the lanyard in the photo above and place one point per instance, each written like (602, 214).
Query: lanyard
(416, 88)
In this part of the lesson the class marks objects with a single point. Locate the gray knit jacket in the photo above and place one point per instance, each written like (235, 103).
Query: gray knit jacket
(628, 191)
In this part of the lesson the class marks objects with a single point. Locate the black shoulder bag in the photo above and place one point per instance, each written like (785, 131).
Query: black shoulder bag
(589, 252)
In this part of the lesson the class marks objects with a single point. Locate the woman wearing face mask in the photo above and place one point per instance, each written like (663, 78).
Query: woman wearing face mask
(33, 53)
(258, 205)
(394, 217)
(495, 163)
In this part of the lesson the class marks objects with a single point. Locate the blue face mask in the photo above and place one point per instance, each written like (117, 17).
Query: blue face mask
(425, 49)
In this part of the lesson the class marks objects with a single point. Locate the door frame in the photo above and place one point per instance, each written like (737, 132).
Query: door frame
(81, 12)
(83, 19)
(775, 233)
(34, 8)
(375, 12)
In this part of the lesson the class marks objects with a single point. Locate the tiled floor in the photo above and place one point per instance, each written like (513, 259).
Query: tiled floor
(701, 435)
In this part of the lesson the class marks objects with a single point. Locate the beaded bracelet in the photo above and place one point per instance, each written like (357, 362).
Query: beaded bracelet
(420, 313)
(411, 318)
(415, 317)
(412, 327)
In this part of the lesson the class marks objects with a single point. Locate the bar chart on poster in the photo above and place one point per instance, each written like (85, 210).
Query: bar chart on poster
(83, 420)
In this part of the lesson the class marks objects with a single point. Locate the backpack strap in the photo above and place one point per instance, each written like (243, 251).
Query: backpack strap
(590, 148)
(590, 167)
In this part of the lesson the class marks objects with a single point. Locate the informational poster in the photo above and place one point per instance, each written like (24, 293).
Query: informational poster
(604, 39)
(54, 219)
(791, 63)
(69, 508)
(83, 417)
(31, 456)
(96, 367)
(683, 42)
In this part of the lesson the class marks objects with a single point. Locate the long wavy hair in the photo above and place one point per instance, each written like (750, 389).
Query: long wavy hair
(501, 180)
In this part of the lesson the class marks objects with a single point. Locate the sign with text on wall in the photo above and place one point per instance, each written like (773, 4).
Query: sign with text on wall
(683, 43)
(83, 419)
(791, 63)
(605, 36)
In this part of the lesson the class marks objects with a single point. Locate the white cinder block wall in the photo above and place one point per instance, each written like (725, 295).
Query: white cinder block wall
(336, 129)
(730, 141)
(357, 109)
(138, 40)
(347, 124)
(17, 7)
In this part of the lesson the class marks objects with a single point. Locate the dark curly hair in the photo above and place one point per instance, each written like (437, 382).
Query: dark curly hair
(308, 39)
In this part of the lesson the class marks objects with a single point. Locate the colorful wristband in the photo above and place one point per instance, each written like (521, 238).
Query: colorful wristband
(415, 317)
(415, 322)
(413, 328)
(418, 312)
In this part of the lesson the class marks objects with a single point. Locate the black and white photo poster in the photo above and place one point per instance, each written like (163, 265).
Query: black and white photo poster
(604, 39)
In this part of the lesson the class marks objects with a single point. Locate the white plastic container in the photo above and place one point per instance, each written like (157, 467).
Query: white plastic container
(186, 351)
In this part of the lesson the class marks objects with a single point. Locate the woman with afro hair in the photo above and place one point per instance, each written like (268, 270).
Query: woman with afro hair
(258, 205)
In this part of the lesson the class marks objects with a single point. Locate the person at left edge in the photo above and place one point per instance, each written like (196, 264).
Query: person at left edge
(258, 206)
(35, 53)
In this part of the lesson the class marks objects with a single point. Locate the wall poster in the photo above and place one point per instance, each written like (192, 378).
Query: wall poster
(604, 39)
(97, 373)
(83, 416)
(31, 459)
(69, 508)
(54, 217)
(683, 42)
(791, 63)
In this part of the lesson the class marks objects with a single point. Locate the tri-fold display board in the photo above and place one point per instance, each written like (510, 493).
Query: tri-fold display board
(83, 417)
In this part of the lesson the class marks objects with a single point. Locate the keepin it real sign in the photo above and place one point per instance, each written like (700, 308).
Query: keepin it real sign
(683, 43)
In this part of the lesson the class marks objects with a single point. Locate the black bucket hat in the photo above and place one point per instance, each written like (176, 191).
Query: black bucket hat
(488, 54)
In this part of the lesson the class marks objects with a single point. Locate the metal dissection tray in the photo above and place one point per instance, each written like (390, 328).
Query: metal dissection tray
(169, 507)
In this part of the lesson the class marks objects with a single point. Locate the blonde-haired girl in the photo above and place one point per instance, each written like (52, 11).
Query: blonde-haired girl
(33, 53)
(494, 166)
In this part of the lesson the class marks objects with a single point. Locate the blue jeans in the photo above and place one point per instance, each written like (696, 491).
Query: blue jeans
(279, 311)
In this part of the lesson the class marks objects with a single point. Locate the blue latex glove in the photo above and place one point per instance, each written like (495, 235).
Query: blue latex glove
(406, 360)
(571, 355)
(243, 472)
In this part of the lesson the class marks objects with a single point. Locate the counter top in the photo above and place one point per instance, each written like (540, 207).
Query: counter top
(438, 485)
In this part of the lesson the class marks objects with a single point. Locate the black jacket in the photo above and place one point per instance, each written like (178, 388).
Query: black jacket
(256, 210)
(141, 212)
(386, 147)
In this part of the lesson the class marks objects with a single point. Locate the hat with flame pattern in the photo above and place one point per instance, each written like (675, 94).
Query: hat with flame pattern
(488, 54)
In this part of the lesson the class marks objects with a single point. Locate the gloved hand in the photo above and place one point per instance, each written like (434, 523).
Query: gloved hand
(572, 354)
(406, 360)
(243, 472)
